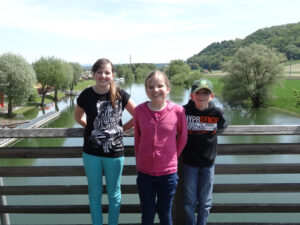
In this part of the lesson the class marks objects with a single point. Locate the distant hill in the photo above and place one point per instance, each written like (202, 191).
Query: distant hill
(284, 38)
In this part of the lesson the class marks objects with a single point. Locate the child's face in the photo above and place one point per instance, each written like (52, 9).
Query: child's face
(201, 98)
(103, 76)
(157, 90)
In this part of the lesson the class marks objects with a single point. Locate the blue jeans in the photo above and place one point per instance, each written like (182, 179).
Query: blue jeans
(197, 185)
(112, 167)
(156, 195)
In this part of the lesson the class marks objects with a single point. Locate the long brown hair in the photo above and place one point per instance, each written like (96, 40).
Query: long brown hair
(113, 92)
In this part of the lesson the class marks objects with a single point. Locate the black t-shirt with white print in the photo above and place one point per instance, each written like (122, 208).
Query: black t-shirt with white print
(104, 133)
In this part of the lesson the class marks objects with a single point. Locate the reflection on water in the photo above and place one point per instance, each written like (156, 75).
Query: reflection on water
(179, 95)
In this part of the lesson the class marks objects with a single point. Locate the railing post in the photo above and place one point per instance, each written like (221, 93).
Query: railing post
(177, 206)
(4, 216)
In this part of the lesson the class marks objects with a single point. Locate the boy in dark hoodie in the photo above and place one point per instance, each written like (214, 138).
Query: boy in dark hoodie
(204, 120)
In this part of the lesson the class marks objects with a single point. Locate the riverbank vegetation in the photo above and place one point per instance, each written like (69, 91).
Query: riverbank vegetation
(252, 75)
(22, 83)
(285, 97)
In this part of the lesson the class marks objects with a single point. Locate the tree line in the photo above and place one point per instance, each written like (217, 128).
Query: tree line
(283, 38)
(252, 73)
(18, 77)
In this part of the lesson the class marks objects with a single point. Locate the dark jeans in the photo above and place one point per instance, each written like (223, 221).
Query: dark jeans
(156, 195)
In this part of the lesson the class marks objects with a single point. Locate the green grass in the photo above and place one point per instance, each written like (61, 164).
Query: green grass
(285, 96)
(83, 84)
(24, 109)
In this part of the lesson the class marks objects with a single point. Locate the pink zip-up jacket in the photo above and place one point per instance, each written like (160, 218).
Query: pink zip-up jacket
(159, 142)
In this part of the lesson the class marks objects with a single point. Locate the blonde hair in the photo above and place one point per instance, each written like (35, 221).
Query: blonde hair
(154, 74)
(113, 91)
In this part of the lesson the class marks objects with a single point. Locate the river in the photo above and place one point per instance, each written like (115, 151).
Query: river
(180, 96)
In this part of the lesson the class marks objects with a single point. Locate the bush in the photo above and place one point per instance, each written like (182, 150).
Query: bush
(33, 94)
(194, 75)
(179, 79)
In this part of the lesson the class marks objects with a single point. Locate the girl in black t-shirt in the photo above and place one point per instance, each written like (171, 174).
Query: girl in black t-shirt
(103, 149)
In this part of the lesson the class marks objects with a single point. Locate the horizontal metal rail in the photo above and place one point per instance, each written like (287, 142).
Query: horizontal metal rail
(78, 132)
(76, 152)
(135, 208)
(132, 189)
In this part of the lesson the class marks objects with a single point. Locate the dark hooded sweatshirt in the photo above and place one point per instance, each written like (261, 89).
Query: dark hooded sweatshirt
(201, 147)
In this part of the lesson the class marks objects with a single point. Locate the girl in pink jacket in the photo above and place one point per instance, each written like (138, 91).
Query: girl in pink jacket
(160, 136)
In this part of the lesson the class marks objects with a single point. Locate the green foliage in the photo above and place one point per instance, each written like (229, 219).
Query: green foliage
(53, 73)
(77, 71)
(141, 70)
(125, 71)
(252, 75)
(284, 38)
(16, 79)
(33, 94)
(179, 78)
(44, 72)
(214, 55)
(135, 71)
(193, 75)
(177, 67)
(67, 76)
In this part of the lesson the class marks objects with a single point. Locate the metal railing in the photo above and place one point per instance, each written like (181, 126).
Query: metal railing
(130, 170)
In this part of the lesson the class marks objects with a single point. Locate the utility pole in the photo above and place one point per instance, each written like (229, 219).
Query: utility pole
(291, 58)
(130, 62)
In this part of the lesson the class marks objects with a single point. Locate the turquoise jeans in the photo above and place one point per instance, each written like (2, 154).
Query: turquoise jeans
(112, 167)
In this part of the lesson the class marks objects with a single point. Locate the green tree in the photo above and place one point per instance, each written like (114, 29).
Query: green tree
(177, 67)
(125, 71)
(44, 72)
(77, 72)
(194, 75)
(52, 73)
(252, 75)
(141, 70)
(63, 76)
(16, 79)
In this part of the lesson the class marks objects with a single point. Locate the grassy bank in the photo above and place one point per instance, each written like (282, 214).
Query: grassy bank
(285, 98)
(33, 104)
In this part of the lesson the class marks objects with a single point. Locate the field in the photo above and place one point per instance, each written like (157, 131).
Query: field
(292, 69)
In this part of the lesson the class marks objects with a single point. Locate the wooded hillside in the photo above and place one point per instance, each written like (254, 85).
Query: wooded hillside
(284, 38)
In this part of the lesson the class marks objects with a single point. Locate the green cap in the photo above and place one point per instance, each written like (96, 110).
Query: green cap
(202, 83)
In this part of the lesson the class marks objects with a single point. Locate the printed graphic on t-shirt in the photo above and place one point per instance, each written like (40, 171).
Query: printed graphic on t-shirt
(202, 124)
(107, 131)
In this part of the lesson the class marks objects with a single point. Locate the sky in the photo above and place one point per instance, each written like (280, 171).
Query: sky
(140, 31)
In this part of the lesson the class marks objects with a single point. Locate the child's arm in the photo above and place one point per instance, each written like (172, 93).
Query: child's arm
(181, 131)
(136, 134)
(130, 108)
(79, 116)
(222, 122)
